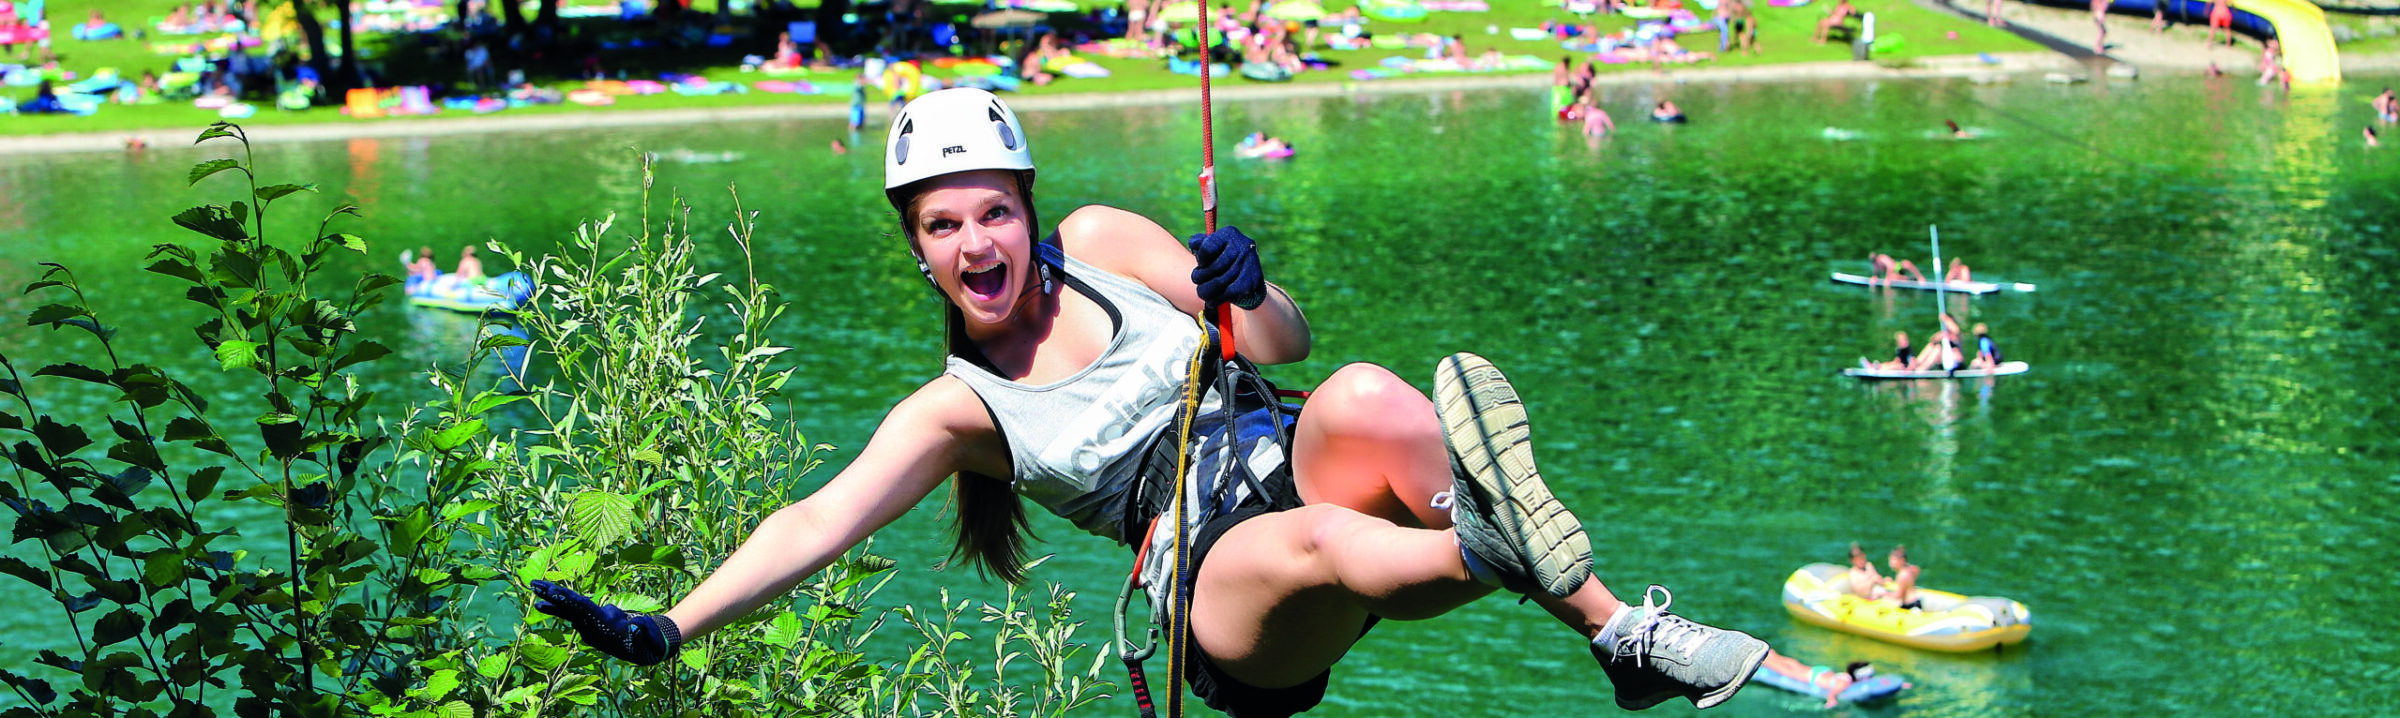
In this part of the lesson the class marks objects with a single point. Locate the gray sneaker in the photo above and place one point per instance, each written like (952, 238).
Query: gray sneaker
(1513, 531)
(1658, 655)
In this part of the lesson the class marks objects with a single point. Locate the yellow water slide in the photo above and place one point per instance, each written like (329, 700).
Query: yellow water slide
(2307, 43)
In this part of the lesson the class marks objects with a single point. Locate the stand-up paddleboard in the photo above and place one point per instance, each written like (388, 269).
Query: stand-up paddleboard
(2006, 368)
(1874, 688)
(1959, 287)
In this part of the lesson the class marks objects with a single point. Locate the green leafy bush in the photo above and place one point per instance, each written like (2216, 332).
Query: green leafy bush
(167, 621)
(640, 457)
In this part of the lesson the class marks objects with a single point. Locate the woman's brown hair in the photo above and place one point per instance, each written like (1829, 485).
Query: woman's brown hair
(989, 525)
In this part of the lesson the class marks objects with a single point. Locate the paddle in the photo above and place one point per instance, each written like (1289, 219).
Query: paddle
(1941, 299)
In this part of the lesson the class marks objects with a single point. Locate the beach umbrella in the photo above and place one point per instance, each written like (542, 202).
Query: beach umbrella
(1296, 10)
(1180, 12)
(1044, 5)
(1006, 18)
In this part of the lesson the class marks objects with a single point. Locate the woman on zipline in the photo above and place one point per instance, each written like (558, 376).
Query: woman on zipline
(1069, 362)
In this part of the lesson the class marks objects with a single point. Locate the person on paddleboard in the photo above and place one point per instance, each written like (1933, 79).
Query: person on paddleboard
(1066, 378)
(1889, 269)
(1902, 356)
(1942, 351)
(1987, 352)
(1826, 679)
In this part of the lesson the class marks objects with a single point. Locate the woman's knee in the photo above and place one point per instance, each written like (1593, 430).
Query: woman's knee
(1366, 398)
(1329, 530)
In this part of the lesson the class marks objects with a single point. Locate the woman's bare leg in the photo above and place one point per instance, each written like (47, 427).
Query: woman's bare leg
(1371, 442)
(1281, 597)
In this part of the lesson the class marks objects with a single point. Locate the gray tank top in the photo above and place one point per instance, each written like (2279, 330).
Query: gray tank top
(1076, 444)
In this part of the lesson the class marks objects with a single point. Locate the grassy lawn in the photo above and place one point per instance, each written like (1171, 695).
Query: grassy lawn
(1783, 33)
(2376, 33)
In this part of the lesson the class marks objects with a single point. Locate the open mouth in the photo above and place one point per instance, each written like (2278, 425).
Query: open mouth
(985, 281)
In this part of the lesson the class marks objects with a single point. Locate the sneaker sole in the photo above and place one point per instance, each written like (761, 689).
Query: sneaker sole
(1485, 425)
(1704, 700)
(1725, 692)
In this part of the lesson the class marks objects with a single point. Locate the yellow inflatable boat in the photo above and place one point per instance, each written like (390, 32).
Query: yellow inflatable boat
(1819, 593)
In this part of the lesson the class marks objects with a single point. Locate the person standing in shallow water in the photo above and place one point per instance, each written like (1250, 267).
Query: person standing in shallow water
(2100, 20)
(1371, 502)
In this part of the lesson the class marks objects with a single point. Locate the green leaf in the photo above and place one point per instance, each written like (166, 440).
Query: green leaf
(537, 564)
(237, 354)
(116, 626)
(454, 511)
(489, 401)
(522, 693)
(784, 631)
(237, 268)
(498, 341)
(696, 657)
(187, 428)
(61, 439)
(219, 129)
(600, 517)
(351, 242)
(20, 569)
(203, 170)
(52, 314)
(455, 709)
(163, 568)
(274, 192)
(574, 566)
(492, 666)
(439, 685)
(407, 530)
(214, 221)
(77, 372)
(365, 351)
(138, 453)
(450, 438)
(541, 657)
(200, 483)
(179, 268)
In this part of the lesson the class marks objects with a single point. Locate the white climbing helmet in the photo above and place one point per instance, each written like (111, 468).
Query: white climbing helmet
(956, 130)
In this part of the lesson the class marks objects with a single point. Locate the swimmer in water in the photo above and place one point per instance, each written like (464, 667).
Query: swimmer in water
(2387, 106)
(1956, 133)
(1666, 111)
(2371, 141)
(1596, 122)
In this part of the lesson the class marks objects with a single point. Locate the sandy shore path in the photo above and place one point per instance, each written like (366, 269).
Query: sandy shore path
(1965, 66)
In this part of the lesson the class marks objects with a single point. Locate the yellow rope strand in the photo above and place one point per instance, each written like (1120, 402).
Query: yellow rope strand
(1178, 604)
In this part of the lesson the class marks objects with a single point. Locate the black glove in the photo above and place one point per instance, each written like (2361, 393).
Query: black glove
(1228, 271)
(640, 638)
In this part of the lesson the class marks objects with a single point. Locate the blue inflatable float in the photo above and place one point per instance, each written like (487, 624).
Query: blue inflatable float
(503, 293)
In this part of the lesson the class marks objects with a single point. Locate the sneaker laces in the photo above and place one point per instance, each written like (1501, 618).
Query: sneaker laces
(1659, 629)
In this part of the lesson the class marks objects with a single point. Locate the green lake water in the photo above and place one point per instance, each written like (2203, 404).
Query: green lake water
(2193, 490)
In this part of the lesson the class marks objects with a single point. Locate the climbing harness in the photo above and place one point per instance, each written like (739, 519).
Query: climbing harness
(1179, 600)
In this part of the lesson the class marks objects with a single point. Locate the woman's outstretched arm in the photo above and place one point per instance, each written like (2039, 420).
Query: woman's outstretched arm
(926, 438)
